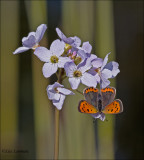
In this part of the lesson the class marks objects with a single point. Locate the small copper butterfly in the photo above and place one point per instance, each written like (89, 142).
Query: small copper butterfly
(101, 101)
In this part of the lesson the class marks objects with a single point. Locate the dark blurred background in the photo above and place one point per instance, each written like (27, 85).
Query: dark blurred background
(27, 116)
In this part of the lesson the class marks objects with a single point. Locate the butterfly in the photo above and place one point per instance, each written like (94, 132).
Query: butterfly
(99, 102)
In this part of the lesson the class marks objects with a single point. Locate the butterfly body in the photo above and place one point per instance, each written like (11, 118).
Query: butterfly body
(100, 101)
(99, 105)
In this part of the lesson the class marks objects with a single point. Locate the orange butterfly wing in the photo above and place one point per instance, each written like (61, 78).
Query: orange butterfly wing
(85, 107)
(114, 108)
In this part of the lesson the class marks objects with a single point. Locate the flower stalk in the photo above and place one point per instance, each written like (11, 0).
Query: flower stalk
(56, 141)
(56, 138)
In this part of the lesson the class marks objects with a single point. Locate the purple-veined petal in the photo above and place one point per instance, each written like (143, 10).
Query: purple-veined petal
(43, 54)
(59, 103)
(77, 41)
(74, 82)
(105, 61)
(53, 86)
(63, 37)
(88, 80)
(62, 61)
(82, 54)
(104, 82)
(87, 47)
(101, 116)
(57, 47)
(30, 40)
(92, 57)
(113, 66)
(84, 65)
(53, 95)
(40, 32)
(106, 73)
(49, 69)
(65, 91)
(20, 50)
(70, 67)
(92, 71)
(97, 62)
(109, 66)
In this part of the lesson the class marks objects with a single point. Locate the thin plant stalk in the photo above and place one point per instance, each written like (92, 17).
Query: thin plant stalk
(56, 138)
(56, 145)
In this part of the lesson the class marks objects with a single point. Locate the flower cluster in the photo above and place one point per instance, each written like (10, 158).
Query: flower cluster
(66, 57)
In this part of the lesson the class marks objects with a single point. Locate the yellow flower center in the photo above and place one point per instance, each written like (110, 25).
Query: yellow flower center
(54, 59)
(67, 47)
(77, 73)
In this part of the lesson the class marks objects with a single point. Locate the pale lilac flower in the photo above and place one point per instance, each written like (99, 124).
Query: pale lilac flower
(72, 41)
(57, 94)
(103, 71)
(52, 57)
(32, 40)
(73, 46)
(92, 57)
(79, 74)
(99, 115)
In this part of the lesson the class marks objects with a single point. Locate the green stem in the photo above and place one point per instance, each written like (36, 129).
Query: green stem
(75, 90)
(79, 91)
(56, 143)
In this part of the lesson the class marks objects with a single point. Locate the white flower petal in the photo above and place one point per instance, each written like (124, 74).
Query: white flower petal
(49, 69)
(53, 95)
(84, 65)
(43, 54)
(97, 62)
(104, 82)
(77, 41)
(87, 47)
(105, 61)
(40, 32)
(59, 103)
(30, 40)
(70, 67)
(53, 86)
(62, 61)
(57, 47)
(65, 91)
(88, 80)
(74, 82)
(20, 50)
(106, 73)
